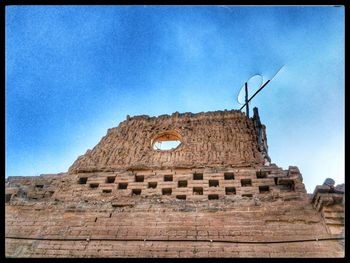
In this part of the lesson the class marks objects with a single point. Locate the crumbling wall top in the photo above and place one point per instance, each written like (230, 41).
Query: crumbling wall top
(207, 139)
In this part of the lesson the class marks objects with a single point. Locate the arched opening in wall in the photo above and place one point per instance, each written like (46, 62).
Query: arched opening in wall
(166, 141)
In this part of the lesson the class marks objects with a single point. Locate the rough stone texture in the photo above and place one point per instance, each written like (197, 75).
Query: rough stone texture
(329, 201)
(211, 197)
(209, 139)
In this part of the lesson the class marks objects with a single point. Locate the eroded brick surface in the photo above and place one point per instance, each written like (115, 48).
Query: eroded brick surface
(209, 139)
(211, 197)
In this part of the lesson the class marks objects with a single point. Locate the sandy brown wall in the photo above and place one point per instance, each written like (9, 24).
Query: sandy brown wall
(211, 138)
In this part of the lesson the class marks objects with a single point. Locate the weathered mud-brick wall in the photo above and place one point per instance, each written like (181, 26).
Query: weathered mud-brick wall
(213, 138)
(213, 196)
(329, 201)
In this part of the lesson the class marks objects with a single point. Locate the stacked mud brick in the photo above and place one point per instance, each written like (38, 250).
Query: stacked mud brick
(212, 196)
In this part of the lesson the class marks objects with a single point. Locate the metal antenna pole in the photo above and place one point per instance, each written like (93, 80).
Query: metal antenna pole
(246, 99)
(246, 92)
(263, 86)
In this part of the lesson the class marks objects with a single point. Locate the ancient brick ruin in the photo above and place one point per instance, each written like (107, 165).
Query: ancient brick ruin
(215, 195)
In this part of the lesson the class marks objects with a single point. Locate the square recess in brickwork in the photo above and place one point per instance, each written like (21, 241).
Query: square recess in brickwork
(82, 180)
(167, 191)
(136, 191)
(287, 186)
(230, 190)
(197, 176)
(247, 195)
(168, 178)
(197, 190)
(182, 183)
(122, 185)
(246, 182)
(107, 191)
(94, 185)
(229, 176)
(264, 189)
(152, 184)
(213, 183)
(139, 178)
(261, 174)
(181, 197)
(213, 197)
(110, 179)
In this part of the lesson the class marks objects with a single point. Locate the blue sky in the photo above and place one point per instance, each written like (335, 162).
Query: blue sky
(72, 72)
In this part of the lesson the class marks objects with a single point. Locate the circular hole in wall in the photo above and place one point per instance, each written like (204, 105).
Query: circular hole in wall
(166, 141)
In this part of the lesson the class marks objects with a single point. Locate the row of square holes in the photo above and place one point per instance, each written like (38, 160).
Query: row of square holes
(196, 176)
(183, 183)
(199, 190)
(196, 191)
